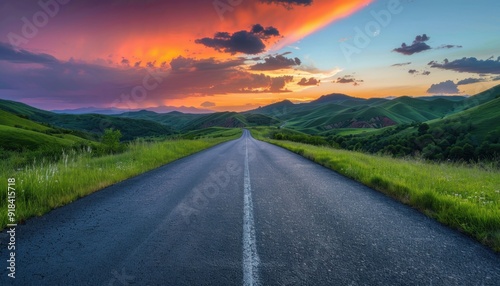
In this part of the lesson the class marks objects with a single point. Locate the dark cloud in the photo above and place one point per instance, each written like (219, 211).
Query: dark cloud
(401, 64)
(247, 42)
(10, 54)
(182, 64)
(307, 82)
(264, 33)
(416, 72)
(289, 3)
(245, 82)
(276, 63)
(471, 65)
(469, 81)
(348, 79)
(417, 46)
(125, 62)
(278, 83)
(445, 87)
(207, 104)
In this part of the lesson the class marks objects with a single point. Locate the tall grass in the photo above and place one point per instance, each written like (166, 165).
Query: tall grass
(43, 185)
(463, 197)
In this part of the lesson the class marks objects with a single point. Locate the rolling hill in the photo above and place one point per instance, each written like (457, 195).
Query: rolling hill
(91, 123)
(335, 111)
(183, 122)
(20, 134)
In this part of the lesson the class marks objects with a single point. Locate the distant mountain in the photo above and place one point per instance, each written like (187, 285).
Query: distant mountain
(334, 98)
(114, 111)
(275, 109)
(89, 110)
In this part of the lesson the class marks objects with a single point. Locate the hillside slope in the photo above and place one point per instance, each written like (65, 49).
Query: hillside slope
(93, 123)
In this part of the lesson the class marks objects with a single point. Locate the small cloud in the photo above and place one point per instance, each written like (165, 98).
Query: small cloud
(401, 64)
(289, 3)
(207, 104)
(417, 46)
(348, 79)
(309, 82)
(125, 62)
(416, 72)
(445, 87)
(449, 47)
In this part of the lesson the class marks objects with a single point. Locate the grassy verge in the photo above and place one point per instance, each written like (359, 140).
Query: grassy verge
(42, 186)
(466, 198)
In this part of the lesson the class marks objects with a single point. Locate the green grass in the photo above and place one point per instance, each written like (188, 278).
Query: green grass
(15, 138)
(211, 132)
(463, 197)
(43, 186)
(9, 119)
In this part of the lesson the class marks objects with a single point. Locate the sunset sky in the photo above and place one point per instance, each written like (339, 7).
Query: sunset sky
(241, 54)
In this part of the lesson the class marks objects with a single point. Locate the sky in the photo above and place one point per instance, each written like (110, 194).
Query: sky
(235, 55)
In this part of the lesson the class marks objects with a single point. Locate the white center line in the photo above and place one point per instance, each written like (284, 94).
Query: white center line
(250, 256)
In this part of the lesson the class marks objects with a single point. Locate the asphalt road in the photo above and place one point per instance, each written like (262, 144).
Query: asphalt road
(243, 213)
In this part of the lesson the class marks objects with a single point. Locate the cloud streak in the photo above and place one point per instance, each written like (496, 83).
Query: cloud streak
(470, 65)
(276, 63)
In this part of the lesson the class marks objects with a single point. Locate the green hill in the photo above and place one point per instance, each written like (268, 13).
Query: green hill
(220, 119)
(483, 120)
(93, 123)
(20, 134)
(17, 139)
(176, 120)
(9, 119)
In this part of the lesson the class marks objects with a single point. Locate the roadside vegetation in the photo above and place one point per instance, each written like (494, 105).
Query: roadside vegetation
(55, 178)
(463, 196)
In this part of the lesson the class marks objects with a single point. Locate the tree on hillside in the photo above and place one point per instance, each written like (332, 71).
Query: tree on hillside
(111, 141)
(422, 128)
